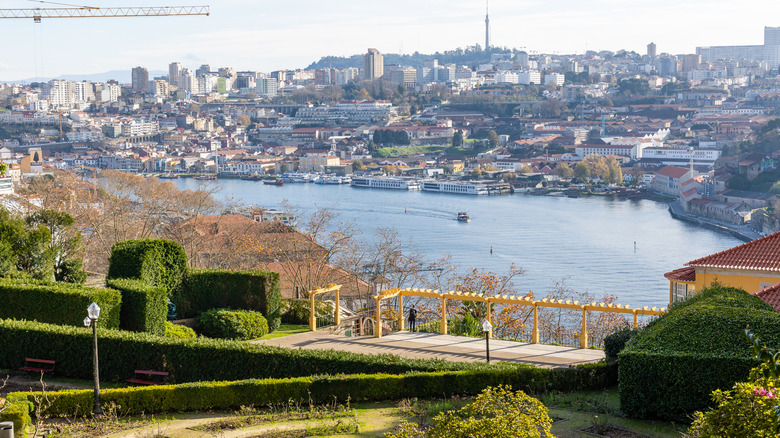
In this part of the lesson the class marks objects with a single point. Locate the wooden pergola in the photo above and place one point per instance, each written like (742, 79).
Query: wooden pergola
(506, 299)
(332, 287)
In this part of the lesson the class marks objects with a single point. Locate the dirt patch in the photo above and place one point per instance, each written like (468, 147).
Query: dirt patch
(24, 383)
(607, 431)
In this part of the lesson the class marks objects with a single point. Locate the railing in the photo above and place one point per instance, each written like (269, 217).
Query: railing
(393, 319)
(446, 324)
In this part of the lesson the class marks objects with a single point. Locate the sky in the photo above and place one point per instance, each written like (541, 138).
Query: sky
(267, 35)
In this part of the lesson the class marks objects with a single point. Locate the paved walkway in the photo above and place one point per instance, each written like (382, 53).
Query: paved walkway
(432, 346)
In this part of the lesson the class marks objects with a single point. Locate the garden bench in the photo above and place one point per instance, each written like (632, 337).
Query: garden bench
(152, 377)
(38, 365)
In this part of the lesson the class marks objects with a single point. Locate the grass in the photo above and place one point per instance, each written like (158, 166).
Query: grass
(287, 330)
(403, 151)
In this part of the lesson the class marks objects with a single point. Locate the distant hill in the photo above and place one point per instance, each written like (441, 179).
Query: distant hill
(470, 57)
(123, 76)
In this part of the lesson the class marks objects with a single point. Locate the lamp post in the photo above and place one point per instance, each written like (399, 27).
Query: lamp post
(487, 327)
(93, 313)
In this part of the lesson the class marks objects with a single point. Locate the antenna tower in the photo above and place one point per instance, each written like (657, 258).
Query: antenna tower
(487, 27)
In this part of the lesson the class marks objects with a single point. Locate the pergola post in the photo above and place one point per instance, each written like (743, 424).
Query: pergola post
(400, 312)
(490, 334)
(378, 322)
(535, 332)
(337, 316)
(584, 335)
(636, 320)
(312, 314)
(444, 316)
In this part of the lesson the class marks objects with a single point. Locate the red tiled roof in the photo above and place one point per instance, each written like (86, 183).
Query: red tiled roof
(683, 274)
(770, 295)
(762, 254)
(672, 171)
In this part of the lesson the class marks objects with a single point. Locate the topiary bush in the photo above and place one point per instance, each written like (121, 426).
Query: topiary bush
(232, 324)
(57, 303)
(177, 331)
(206, 289)
(156, 262)
(144, 307)
(297, 311)
(670, 368)
(616, 341)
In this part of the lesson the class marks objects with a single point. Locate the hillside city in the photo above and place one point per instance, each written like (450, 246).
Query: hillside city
(262, 322)
(546, 114)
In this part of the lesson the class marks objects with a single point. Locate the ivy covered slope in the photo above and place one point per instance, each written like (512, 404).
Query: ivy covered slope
(670, 368)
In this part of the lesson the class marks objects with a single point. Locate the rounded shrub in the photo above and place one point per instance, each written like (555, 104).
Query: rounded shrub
(232, 324)
(616, 341)
(177, 331)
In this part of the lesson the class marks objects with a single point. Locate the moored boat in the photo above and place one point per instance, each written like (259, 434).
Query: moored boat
(274, 182)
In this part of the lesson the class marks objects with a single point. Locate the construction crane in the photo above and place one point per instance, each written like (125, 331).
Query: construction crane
(91, 11)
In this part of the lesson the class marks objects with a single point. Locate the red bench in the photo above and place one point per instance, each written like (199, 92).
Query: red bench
(160, 377)
(38, 365)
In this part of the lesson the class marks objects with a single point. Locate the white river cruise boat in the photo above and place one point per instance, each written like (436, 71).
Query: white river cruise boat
(459, 188)
(385, 183)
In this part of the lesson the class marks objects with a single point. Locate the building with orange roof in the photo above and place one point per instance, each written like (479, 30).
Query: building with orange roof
(752, 267)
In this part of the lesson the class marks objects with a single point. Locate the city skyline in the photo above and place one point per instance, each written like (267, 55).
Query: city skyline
(266, 37)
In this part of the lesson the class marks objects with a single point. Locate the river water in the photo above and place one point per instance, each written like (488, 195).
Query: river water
(601, 246)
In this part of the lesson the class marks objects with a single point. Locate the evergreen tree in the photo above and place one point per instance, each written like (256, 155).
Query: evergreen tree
(457, 139)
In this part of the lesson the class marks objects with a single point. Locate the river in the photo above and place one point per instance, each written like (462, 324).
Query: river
(602, 246)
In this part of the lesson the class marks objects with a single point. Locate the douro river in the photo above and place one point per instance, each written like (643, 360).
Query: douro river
(602, 246)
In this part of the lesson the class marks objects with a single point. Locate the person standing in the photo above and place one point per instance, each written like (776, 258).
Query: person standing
(412, 319)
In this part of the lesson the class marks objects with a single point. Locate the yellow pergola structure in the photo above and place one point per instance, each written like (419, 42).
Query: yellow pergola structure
(337, 310)
(505, 299)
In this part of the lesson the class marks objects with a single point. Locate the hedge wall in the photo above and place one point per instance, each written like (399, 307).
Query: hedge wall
(156, 262)
(670, 368)
(323, 389)
(191, 360)
(57, 303)
(247, 290)
(144, 307)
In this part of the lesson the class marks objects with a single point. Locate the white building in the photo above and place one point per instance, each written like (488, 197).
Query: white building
(681, 157)
(506, 77)
(556, 79)
(529, 77)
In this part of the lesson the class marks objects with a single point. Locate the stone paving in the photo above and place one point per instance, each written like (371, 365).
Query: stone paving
(432, 346)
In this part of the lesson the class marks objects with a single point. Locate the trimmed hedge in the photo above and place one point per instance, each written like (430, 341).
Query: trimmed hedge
(670, 368)
(615, 342)
(57, 303)
(192, 360)
(206, 289)
(144, 307)
(323, 389)
(18, 412)
(232, 324)
(156, 262)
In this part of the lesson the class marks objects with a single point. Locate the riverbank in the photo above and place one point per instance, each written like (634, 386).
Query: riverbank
(742, 232)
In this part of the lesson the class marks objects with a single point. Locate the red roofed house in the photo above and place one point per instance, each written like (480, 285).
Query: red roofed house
(670, 179)
(752, 267)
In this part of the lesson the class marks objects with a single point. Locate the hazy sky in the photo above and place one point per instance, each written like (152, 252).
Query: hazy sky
(269, 35)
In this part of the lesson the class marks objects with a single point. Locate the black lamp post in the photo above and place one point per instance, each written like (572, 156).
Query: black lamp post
(487, 327)
(93, 313)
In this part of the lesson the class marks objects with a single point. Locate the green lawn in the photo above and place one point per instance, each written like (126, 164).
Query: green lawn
(287, 330)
